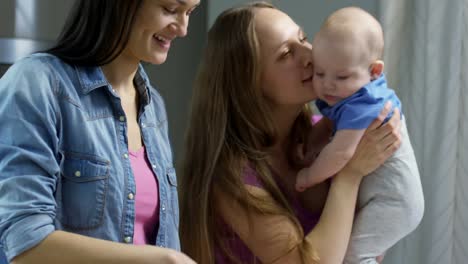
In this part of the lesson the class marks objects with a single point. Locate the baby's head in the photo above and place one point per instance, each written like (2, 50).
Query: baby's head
(347, 54)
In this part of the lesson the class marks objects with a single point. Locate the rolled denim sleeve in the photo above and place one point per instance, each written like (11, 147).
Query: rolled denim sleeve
(29, 167)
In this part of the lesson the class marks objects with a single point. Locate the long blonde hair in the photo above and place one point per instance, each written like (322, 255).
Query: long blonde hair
(230, 127)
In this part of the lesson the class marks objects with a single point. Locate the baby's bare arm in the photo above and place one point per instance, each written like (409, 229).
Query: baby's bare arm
(332, 159)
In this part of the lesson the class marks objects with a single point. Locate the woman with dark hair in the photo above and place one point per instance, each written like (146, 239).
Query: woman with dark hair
(86, 166)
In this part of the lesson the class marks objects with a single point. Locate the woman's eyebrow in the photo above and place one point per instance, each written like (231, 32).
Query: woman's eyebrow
(299, 32)
(184, 3)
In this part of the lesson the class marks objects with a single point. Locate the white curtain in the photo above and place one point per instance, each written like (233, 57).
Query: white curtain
(426, 59)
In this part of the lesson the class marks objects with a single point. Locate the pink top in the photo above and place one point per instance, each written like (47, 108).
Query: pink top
(146, 199)
(316, 118)
(237, 247)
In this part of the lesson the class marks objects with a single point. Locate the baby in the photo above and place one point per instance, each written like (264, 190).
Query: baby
(352, 90)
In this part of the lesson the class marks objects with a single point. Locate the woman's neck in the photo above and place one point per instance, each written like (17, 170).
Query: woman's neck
(120, 74)
(284, 120)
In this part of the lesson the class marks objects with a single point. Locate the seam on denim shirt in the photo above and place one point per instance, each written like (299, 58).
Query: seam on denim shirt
(86, 156)
(150, 125)
(155, 125)
(161, 123)
(55, 87)
(99, 117)
(3, 245)
(68, 99)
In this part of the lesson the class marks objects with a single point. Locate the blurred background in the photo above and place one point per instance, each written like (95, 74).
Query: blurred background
(426, 59)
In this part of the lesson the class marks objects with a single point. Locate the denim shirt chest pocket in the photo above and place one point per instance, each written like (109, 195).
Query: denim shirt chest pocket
(82, 191)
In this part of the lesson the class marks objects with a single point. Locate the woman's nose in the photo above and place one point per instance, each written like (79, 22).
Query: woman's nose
(306, 56)
(180, 26)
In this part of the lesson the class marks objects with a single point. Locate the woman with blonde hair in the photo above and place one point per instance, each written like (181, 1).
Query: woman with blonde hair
(249, 112)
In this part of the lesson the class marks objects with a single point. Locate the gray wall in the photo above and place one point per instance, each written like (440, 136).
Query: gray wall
(7, 18)
(33, 19)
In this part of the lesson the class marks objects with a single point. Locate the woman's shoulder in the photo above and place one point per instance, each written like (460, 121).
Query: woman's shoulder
(35, 63)
(31, 73)
(46, 60)
(38, 66)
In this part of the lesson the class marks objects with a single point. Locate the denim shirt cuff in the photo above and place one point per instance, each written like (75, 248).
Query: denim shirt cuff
(26, 234)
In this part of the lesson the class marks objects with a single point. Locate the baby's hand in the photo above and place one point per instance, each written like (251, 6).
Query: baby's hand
(304, 180)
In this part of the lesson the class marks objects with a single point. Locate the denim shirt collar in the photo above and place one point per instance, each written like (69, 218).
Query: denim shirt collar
(91, 78)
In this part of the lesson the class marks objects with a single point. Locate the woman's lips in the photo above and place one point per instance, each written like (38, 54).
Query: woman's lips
(162, 42)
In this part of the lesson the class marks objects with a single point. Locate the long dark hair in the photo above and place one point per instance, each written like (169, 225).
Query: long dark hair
(96, 31)
(230, 127)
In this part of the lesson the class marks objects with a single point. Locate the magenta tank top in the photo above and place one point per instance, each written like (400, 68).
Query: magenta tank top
(146, 199)
(237, 246)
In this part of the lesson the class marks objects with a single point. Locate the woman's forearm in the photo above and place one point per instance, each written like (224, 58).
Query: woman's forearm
(64, 247)
(331, 235)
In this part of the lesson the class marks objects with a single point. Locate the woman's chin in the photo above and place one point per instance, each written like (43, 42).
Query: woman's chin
(157, 59)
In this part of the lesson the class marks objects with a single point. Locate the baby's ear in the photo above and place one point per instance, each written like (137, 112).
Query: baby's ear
(376, 69)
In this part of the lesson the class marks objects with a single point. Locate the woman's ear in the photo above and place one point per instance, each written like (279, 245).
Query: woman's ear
(376, 69)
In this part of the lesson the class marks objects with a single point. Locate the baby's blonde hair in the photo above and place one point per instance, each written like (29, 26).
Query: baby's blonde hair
(356, 24)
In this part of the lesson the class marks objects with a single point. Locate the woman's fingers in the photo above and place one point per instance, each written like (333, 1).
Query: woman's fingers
(383, 114)
(390, 128)
(378, 143)
(395, 120)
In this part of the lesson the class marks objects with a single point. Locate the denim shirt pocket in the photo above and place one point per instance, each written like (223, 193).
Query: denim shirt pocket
(174, 199)
(83, 190)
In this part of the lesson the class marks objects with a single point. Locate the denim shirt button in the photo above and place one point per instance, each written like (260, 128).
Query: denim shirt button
(77, 173)
(154, 166)
(122, 118)
(125, 155)
(130, 196)
(163, 207)
(127, 239)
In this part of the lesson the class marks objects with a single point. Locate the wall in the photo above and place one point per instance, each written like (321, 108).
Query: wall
(308, 14)
(39, 20)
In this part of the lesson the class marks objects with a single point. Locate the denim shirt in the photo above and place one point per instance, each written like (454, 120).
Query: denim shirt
(64, 156)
